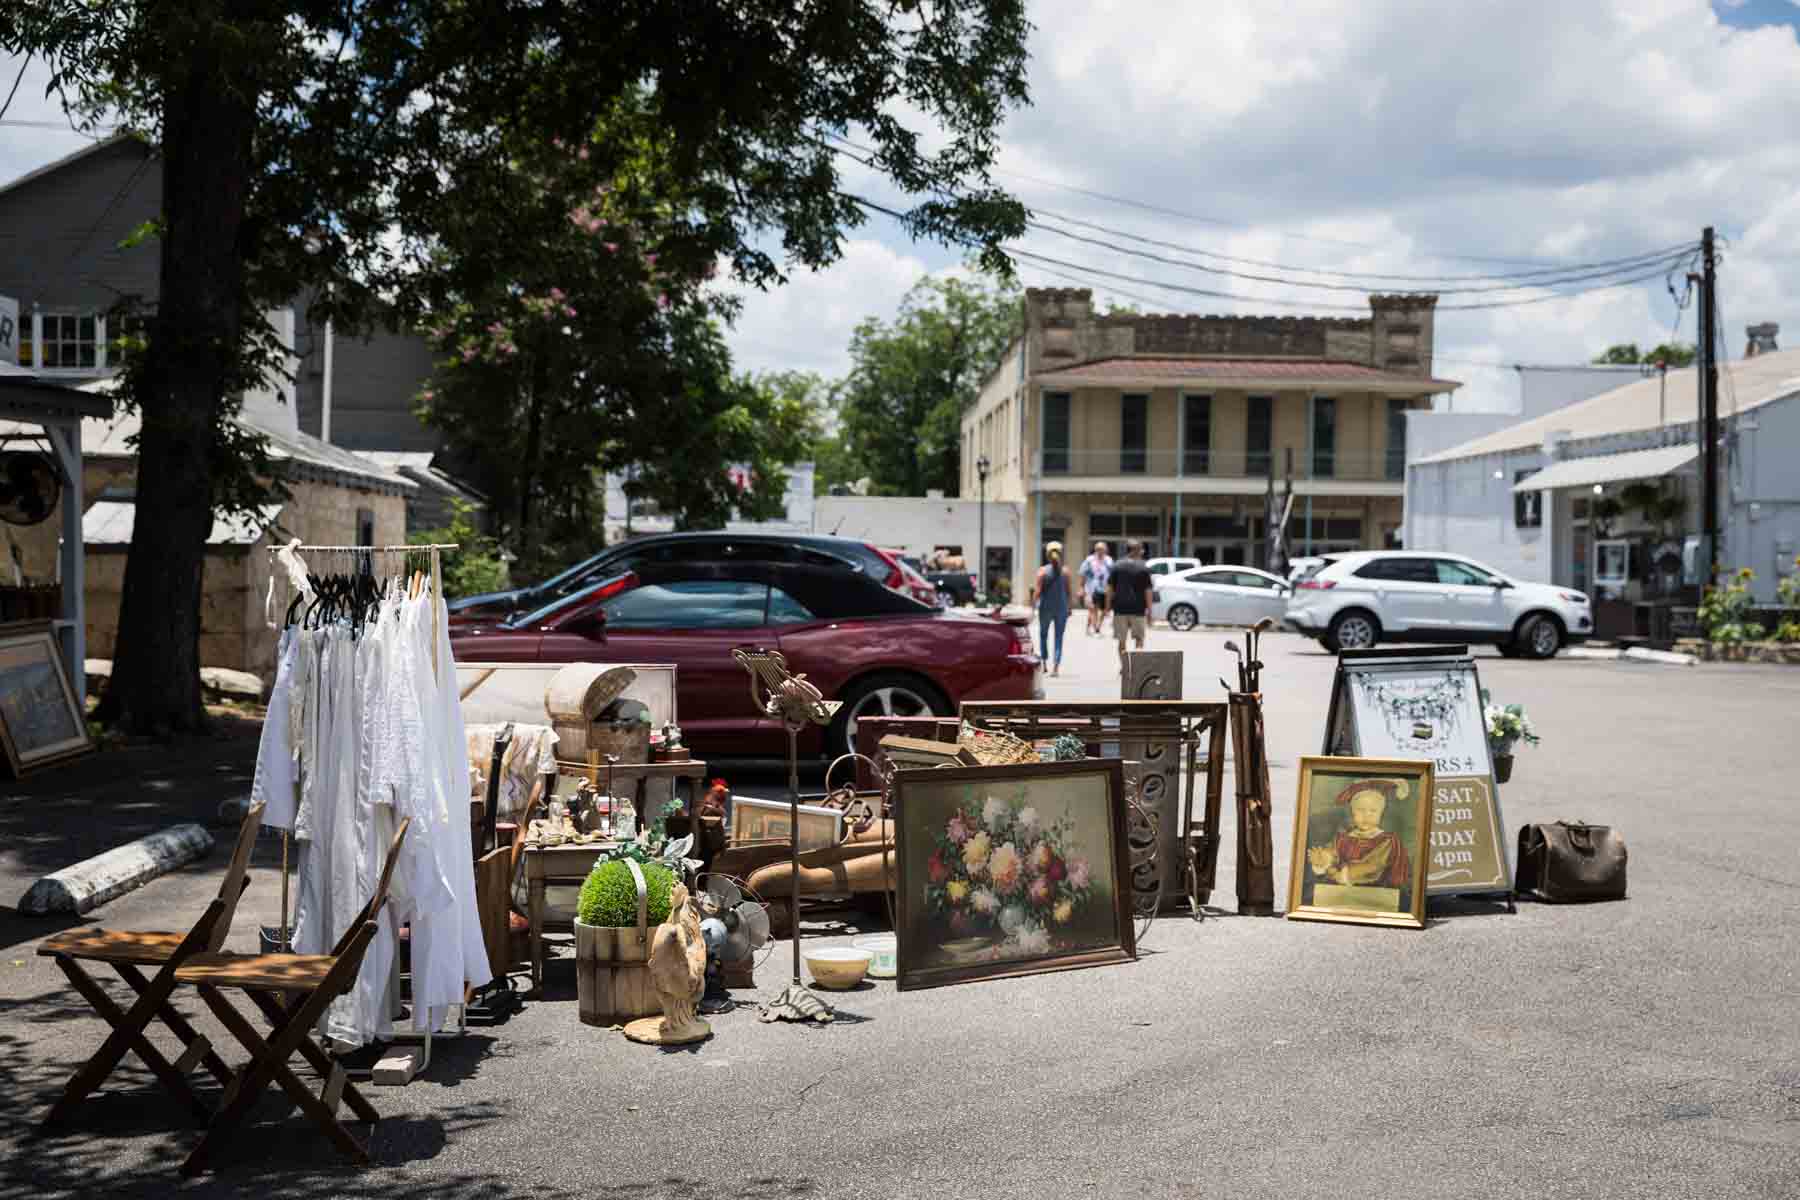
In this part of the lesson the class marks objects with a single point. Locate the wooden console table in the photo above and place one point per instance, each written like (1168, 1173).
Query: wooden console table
(571, 862)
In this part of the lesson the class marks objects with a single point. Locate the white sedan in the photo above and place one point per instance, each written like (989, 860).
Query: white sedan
(1223, 595)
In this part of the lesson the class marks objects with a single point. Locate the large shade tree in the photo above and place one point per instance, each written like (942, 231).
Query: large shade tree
(569, 301)
(308, 148)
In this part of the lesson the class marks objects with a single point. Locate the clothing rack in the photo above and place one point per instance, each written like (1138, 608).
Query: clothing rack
(399, 1069)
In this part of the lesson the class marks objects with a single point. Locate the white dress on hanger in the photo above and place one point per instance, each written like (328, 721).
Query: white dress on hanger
(449, 954)
(337, 875)
(277, 781)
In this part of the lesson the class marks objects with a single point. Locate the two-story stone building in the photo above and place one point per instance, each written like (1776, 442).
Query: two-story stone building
(1166, 428)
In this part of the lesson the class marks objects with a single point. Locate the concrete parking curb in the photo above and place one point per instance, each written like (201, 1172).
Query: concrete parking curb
(1667, 658)
(93, 881)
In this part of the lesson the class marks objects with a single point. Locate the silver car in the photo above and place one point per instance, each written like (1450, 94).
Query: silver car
(1357, 600)
(1221, 595)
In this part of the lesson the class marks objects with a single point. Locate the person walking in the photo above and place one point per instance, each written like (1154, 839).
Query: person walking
(1096, 569)
(1131, 591)
(1052, 594)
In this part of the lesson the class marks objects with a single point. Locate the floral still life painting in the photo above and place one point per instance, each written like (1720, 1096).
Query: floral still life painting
(1360, 841)
(1011, 869)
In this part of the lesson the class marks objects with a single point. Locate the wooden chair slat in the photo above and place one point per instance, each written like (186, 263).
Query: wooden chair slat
(312, 980)
(270, 972)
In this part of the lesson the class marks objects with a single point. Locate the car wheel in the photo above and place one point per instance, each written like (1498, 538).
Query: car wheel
(1182, 617)
(888, 695)
(1352, 629)
(1538, 637)
(945, 599)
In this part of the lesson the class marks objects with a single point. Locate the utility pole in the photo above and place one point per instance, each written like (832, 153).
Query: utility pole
(1709, 411)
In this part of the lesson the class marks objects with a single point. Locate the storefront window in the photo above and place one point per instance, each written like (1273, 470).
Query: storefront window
(1056, 433)
(1134, 433)
(1259, 429)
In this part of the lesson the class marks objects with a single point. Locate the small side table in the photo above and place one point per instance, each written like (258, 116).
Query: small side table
(570, 863)
(545, 865)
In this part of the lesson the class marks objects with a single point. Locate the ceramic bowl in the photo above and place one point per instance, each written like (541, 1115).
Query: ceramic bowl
(838, 967)
(885, 948)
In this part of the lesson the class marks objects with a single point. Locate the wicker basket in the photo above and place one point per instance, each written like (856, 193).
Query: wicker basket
(996, 748)
(629, 740)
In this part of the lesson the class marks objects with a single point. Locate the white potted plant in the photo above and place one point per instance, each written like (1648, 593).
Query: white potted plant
(1507, 726)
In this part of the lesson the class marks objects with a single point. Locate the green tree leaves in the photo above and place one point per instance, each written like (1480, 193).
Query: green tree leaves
(900, 408)
(1671, 354)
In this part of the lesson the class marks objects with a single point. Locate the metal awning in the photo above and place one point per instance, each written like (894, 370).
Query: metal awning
(1610, 468)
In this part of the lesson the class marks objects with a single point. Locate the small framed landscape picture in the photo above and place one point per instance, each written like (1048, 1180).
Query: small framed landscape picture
(1360, 830)
(1011, 870)
(41, 719)
(755, 821)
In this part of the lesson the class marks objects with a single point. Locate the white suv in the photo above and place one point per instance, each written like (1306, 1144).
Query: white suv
(1353, 601)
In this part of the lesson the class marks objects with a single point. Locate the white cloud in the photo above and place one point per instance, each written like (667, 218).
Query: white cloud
(1518, 129)
(36, 130)
(806, 325)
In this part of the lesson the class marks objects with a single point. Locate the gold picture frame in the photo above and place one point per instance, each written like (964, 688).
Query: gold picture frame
(1361, 835)
(41, 719)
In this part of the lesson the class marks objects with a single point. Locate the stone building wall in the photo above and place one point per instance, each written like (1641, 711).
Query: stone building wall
(1396, 336)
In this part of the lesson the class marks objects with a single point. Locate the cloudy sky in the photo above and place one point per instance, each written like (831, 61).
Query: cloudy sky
(1371, 136)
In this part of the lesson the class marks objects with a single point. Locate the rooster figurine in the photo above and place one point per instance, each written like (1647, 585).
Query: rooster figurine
(678, 973)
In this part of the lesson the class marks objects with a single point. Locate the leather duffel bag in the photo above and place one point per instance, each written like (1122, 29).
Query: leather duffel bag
(1570, 862)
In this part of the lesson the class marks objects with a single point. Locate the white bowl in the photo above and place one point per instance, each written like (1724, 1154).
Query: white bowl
(838, 967)
(885, 947)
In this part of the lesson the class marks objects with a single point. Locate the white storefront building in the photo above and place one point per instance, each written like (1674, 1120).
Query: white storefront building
(1603, 495)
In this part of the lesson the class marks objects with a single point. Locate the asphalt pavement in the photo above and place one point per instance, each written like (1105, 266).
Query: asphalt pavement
(1640, 1049)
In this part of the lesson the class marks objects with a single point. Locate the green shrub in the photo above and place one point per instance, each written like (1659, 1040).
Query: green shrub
(1725, 613)
(609, 896)
(473, 569)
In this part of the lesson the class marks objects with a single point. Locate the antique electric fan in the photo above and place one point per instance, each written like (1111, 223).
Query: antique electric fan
(735, 928)
(780, 693)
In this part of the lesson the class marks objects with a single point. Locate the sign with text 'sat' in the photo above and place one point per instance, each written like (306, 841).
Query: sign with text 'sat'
(1425, 702)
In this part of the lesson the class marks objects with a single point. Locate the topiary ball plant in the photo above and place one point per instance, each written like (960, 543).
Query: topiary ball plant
(609, 895)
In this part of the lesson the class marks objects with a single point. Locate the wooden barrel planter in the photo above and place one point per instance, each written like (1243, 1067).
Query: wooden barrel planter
(612, 966)
(612, 974)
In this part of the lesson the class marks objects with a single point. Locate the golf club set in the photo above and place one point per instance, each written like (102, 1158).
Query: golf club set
(1249, 670)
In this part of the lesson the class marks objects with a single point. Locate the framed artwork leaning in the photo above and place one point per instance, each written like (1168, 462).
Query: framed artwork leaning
(755, 821)
(41, 718)
(1011, 870)
(1361, 829)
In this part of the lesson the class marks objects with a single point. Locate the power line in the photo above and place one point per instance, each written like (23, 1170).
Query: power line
(1175, 287)
(1628, 261)
(1661, 259)
(1099, 272)
(1216, 221)
(1092, 273)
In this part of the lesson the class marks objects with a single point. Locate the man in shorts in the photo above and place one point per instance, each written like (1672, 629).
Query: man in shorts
(1130, 592)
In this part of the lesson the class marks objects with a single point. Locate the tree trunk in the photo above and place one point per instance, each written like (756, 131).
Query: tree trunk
(194, 342)
(530, 536)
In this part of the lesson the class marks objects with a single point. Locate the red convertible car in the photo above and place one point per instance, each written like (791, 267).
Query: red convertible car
(879, 652)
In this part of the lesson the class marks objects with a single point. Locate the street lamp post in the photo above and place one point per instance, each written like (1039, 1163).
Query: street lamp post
(981, 472)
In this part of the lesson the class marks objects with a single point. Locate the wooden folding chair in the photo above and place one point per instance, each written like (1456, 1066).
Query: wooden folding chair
(293, 991)
(128, 953)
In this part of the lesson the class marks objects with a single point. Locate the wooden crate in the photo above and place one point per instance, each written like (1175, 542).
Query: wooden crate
(612, 975)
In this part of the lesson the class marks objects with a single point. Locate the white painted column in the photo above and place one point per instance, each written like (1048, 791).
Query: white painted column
(325, 387)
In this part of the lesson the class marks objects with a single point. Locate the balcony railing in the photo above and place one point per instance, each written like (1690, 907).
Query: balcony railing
(1361, 467)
